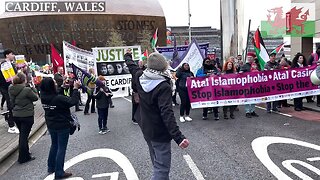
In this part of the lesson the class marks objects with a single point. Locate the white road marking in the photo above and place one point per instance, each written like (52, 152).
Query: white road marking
(288, 115)
(288, 164)
(260, 148)
(193, 167)
(127, 99)
(113, 176)
(112, 154)
(314, 159)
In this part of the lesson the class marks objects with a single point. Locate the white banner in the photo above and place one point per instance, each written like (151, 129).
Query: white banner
(193, 57)
(110, 64)
(80, 57)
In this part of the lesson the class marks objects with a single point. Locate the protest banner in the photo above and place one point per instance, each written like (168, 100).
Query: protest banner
(110, 64)
(7, 71)
(251, 87)
(77, 56)
(168, 52)
(20, 61)
(193, 57)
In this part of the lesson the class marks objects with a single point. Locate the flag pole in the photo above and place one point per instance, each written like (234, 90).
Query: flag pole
(247, 46)
(189, 17)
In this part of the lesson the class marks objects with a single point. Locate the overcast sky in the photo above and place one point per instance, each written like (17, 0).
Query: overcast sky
(207, 12)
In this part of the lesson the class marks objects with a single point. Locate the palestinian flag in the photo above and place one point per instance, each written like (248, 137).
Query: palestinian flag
(260, 49)
(85, 78)
(277, 49)
(154, 39)
(145, 55)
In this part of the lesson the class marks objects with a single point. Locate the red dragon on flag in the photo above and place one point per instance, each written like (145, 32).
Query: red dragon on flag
(296, 22)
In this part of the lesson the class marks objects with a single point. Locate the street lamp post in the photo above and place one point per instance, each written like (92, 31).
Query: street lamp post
(189, 17)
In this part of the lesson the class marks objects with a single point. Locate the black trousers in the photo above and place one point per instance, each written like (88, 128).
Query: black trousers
(3, 100)
(215, 112)
(231, 108)
(5, 94)
(298, 103)
(185, 103)
(24, 125)
(86, 109)
(134, 109)
(78, 104)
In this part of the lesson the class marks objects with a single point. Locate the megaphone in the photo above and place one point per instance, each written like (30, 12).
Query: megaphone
(315, 76)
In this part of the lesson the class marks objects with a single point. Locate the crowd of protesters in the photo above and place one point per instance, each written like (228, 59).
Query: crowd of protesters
(236, 65)
(154, 95)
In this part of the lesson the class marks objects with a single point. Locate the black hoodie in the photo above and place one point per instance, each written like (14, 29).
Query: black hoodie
(57, 109)
(157, 117)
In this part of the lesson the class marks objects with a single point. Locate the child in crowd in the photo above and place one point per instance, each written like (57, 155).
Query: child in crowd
(103, 96)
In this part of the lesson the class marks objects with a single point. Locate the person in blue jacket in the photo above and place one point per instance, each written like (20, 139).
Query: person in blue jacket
(208, 68)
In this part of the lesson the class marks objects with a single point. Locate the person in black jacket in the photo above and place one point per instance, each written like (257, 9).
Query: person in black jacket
(299, 61)
(313, 59)
(103, 96)
(135, 70)
(182, 74)
(157, 121)
(57, 117)
(271, 65)
(4, 86)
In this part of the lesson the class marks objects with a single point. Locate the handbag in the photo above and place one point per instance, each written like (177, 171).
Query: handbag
(74, 124)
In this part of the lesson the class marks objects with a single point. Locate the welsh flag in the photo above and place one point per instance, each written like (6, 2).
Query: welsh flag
(154, 39)
(145, 55)
(278, 49)
(259, 47)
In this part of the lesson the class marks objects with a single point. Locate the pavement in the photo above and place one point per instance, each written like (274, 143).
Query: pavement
(9, 142)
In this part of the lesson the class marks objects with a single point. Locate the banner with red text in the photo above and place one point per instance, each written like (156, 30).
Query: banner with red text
(251, 88)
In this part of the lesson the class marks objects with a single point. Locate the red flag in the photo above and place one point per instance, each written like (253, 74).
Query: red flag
(56, 59)
(73, 43)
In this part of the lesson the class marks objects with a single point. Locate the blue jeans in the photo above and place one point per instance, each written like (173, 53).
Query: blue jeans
(249, 108)
(160, 154)
(59, 142)
(102, 118)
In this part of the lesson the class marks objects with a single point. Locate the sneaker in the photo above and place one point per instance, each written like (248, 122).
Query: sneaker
(187, 118)
(216, 118)
(182, 119)
(106, 130)
(204, 118)
(173, 104)
(254, 114)
(134, 122)
(100, 131)
(111, 106)
(64, 176)
(248, 115)
(13, 130)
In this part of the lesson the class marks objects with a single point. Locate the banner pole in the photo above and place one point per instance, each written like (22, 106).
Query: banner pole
(247, 46)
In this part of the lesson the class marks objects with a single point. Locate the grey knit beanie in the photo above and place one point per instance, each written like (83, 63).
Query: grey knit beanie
(157, 61)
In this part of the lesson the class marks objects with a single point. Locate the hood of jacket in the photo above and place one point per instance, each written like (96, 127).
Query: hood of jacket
(16, 89)
(47, 98)
(151, 79)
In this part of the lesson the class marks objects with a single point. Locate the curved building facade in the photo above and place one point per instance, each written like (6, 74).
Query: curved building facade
(30, 33)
